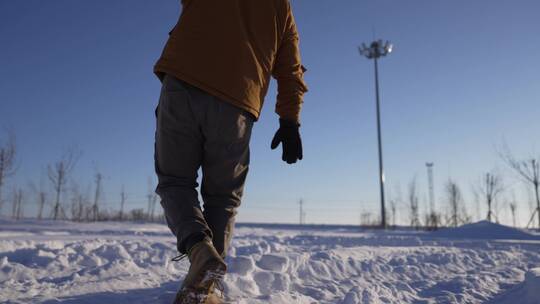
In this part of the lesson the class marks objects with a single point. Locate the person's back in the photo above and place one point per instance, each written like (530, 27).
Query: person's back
(215, 72)
(230, 49)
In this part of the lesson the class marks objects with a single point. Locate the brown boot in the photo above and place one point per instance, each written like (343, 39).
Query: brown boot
(216, 294)
(206, 270)
(213, 298)
(192, 296)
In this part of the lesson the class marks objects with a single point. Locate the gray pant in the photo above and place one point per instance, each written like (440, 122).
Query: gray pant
(197, 130)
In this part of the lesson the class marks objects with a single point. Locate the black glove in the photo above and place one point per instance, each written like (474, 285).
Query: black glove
(289, 136)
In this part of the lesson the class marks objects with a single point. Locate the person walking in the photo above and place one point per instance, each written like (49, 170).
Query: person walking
(215, 71)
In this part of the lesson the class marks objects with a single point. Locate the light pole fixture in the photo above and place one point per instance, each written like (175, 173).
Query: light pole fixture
(376, 50)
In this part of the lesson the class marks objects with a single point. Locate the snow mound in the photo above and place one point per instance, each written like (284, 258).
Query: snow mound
(528, 292)
(485, 230)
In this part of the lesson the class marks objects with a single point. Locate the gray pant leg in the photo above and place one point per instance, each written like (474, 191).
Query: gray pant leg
(225, 167)
(178, 156)
(196, 129)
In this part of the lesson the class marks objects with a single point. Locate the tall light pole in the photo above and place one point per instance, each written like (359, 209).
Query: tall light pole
(376, 50)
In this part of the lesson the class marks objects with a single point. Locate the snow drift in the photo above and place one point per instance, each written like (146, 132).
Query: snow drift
(48, 262)
(527, 292)
(486, 230)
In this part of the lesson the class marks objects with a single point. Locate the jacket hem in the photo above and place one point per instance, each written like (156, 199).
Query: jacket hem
(160, 71)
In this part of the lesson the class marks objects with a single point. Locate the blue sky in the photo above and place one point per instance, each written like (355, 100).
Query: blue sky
(463, 79)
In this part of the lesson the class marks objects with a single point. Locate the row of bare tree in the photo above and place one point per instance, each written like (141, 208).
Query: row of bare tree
(453, 213)
(82, 208)
(489, 190)
(7, 164)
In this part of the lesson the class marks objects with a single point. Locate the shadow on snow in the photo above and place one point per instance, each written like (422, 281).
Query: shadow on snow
(163, 294)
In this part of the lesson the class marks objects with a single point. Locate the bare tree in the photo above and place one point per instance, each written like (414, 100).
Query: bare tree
(152, 199)
(529, 171)
(17, 211)
(513, 207)
(122, 202)
(95, 207)
(366, 218)
(433, 220)
(399, 201)
(58, 175)
(414, 215)
(7, 162)
(457, 214)
(78, 204)
(489, 188)
(88, 208)
(137, 214)
(393, 201)
(14, 204)
(476, 195)
(393, 207)
(41, 198)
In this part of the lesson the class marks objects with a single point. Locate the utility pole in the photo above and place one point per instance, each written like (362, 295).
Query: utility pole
(152, 199)
(122, 201)
(149, 207)
(95, 208)
(429, 167)
(376, 50)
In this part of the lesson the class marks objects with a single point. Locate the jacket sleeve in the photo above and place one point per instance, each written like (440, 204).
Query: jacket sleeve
(289, 72)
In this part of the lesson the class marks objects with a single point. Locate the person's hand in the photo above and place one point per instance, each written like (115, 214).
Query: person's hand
(289, 137)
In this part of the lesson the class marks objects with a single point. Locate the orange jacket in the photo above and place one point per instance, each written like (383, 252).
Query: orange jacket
(230, 48)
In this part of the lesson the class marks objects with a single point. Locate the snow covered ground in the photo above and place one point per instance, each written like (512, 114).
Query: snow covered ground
(62, 262)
